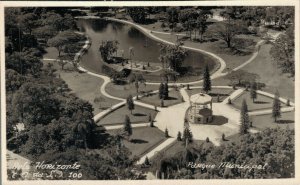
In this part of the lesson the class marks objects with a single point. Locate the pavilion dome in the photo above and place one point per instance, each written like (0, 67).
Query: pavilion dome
(201, 99)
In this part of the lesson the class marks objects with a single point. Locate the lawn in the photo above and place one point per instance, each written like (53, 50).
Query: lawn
(139, 115)
(262, 102)
(262, 122)
(83, 85)
(143, 139)
(128, 89)
(153, 99)
(270, 74)
(217, 47)
(87, 87)
(223, 93)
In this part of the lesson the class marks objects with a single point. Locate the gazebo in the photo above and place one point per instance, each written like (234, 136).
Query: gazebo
(200, 111)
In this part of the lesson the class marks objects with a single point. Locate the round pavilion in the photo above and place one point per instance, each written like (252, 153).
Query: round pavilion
(200, 111)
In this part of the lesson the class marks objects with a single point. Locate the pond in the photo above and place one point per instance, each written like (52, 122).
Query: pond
(145, 49)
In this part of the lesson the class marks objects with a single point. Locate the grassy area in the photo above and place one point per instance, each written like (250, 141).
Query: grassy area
(217, 47)
(262, 102)
(83, 85)
(270, 74)
(87, 87)
(128, 89)
(179, 146)
(143, 139)
(262, 122)
(223, 93)
(139, 115)
(153, 99)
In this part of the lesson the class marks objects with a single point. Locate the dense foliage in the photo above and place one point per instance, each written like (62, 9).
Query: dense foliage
(273, 148)
(58, 127)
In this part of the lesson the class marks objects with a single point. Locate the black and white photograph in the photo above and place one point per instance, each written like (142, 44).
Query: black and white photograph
(182, 91)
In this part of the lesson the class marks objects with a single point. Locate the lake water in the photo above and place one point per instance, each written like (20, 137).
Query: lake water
(145, 49)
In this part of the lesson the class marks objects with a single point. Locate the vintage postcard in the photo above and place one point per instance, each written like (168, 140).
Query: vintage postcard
(198, 92)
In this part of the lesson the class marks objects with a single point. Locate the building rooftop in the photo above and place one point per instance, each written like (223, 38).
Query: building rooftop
(200, 99)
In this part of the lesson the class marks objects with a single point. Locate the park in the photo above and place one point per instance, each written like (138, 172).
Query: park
(152, 86)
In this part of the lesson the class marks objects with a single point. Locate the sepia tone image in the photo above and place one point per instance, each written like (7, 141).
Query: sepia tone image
(149, 92)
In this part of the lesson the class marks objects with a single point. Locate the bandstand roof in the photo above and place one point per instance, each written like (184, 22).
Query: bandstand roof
(200, 99)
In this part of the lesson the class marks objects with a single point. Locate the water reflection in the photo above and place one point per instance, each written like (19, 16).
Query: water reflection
(145, 49)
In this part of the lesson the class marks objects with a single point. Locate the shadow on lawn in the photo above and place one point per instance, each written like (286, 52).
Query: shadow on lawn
(261, 102)
(138, 141)
(171, 98)
(218, 120)
(139, 114)
(285, 121)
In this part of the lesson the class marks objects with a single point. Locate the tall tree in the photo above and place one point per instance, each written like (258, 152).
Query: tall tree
(253, 92)
(276, 110)
(244, 118)
(138, 14)
(130, 103)
(187, 136)
(206, 80)
(172, 16)
(201, 24)
(160, 91)
(165, 91)
(127, 126)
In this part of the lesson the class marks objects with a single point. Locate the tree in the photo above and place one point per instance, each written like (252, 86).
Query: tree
(127, 126)
(253, 89)
(107, 48)
(283, 51)
(172, 16)
(160, 91)
(244, 118)
(188, 18)
(13, 80)
(206, 80)
(24, 63)
(29, 21)
(165, 91)
(201, 22)
(173, 55)
(276, 110)
(207, 139)
(288, 103)
(81, 131)
(223, 137)
(151, 123)
(166, 133)
(130, 103)
(46, 32)
(187, 134)
(58, 42)
(179, 136)
(137, 14)
(147, 163)
(226, 30)
(241, 77)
